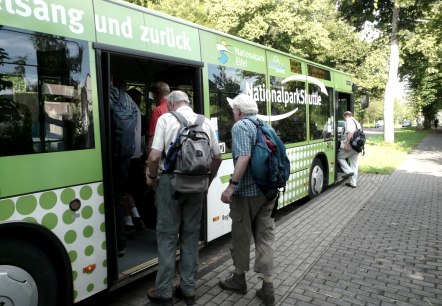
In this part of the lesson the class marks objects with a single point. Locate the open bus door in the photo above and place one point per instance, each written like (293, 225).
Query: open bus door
(138, 71)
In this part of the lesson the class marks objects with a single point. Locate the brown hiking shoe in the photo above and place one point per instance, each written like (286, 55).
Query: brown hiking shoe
(236, 283)
(267, 294)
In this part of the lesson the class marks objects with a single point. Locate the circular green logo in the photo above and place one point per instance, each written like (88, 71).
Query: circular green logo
(101, 208)
(68, 217)
(100, 190)
(6, 209)
(30, 219)
(85, 192)
(50, 220)
(86, 212)
(48, 200)
(89, 250)
(88, 231)
(73, 256)
(67, 195)
(70, 236)
(26, 205)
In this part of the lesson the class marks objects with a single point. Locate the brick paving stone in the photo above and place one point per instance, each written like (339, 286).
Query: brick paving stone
(379, 244)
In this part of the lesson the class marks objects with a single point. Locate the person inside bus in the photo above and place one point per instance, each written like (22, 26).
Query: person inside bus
(132, 218)
(160, 91)
(347, 156)
(120, 165)
(250, 210)
(179, 214)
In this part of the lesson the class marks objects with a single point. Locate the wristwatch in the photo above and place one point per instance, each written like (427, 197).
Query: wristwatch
(233, 182)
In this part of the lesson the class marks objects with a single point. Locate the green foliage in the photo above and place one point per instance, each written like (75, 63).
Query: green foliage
(422, 65)
(316, 30)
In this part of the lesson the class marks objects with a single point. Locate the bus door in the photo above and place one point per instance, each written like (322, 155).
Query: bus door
(344, 103)
(138, 71)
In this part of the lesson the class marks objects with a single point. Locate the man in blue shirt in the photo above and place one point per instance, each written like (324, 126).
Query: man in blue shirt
(250, 210)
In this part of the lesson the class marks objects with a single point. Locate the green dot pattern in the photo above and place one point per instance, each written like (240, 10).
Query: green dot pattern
(50, 220)
(88, 231)
(85, 192)
(48, 200)
(101, 208)
(89, 250)
(73, 256)
(100, 190)
(70, 236)
(7, 209)
(67, 195)
(26, 205)
(87, 212)
(82, 233)
(30, 219)
(68, 217)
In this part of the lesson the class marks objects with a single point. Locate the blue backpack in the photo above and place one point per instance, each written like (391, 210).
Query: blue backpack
(124, 121)
(270, 165)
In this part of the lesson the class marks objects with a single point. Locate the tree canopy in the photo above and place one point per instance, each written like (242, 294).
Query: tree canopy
(331, 33)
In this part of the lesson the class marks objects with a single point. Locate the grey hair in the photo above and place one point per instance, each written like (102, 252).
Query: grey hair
(244, 103)
(177, 96)
(348, 113)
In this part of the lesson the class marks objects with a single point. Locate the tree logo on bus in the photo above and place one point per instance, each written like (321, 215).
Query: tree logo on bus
(223, 48)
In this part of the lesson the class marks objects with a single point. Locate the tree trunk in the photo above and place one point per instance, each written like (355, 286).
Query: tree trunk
(392, 83)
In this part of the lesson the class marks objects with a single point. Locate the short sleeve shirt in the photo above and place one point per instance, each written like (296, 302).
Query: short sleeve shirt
(243, 140)
(168, 127)
(351, 125)
(156, 113)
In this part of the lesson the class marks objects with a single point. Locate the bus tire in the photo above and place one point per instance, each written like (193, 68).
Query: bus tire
(27, 275)
(316, 181)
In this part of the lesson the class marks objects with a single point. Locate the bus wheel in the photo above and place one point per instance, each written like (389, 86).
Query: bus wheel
(27, 277)
(316, 181)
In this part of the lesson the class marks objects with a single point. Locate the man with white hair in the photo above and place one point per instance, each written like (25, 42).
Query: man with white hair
(178, 214)
(250, 210)
(347, 156)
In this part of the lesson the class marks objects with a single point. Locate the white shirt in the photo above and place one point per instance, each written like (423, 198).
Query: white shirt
(168, 127)
(351, 125)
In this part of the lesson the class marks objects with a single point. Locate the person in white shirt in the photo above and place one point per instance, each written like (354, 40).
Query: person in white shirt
(347, 156)
(178, 213)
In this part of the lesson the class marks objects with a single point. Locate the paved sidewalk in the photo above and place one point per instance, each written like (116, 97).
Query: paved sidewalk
(379, 244)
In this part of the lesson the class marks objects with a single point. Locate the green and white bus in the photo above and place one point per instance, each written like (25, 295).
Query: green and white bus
(57, 222)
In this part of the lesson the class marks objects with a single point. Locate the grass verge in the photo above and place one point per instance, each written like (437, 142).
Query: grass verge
(382, 157)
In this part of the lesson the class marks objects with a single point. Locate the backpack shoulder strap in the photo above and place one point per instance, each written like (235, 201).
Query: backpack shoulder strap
(121, 97)
(256, 122)
(180, 118)
(199, 120)
(356, 124)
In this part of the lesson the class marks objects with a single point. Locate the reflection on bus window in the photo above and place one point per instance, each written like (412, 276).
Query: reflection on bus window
(293, 128)
(321, 113)
(45, 94)
(228, 82)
